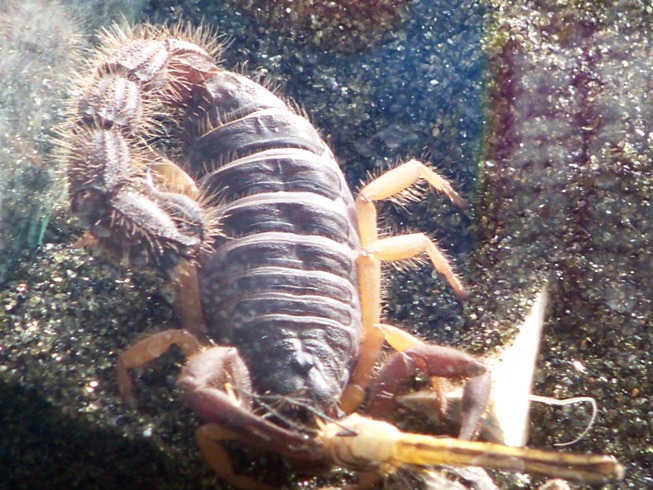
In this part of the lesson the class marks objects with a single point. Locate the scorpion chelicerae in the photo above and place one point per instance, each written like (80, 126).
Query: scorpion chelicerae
(277, 266)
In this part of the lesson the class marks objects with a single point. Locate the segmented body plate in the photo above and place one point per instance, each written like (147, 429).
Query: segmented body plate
(281, 281)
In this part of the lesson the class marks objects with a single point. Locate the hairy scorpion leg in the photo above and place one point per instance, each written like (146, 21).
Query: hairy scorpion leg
(434, 361)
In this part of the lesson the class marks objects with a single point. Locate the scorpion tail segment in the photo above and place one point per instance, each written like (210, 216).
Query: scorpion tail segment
(131, 199)
(365, 444)
(162, 230)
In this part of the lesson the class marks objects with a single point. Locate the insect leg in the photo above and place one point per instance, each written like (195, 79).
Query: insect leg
(388, 249)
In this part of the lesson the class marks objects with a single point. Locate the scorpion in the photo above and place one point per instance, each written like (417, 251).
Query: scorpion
(276, 266)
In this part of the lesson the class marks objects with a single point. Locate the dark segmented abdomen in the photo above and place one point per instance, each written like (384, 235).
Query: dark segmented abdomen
(281, 282)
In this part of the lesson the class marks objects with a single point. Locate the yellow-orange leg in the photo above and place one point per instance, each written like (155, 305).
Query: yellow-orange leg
(170, 177)
(187, 301)
(375, 250)
(208, 437)
(147, 350)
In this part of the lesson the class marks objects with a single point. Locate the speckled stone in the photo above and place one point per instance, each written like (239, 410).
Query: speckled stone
(565, 195)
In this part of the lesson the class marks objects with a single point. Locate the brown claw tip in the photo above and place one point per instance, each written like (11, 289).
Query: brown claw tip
(460, 203)
(128, 398)
(130, 401)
